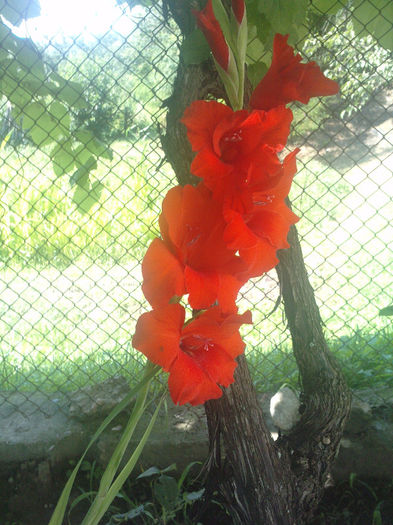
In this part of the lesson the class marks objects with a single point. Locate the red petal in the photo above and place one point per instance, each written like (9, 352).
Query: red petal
(163, 275)
(189, 384)
(241, 134)
(273, 224)
(172, 221)
(201, 118)
(267, 127)
(210, 168)
(210, 357)
(195, 226)
(265, 170)
(157, 334)
(260, 258)
(276, 187)
(229, 286)
(209, 346)
(225, 132)
(202, 287)
(237, 234)
(222, 329)
(288, 80)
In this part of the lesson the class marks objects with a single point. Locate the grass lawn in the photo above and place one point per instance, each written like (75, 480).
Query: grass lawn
(70, 282)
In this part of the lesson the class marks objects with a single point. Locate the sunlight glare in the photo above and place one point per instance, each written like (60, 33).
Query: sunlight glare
(71, 18)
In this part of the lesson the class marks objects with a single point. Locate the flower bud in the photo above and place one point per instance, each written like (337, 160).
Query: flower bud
(210, 27)
(238, 9)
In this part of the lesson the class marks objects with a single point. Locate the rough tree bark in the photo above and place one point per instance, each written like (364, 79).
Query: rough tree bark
(262, 481)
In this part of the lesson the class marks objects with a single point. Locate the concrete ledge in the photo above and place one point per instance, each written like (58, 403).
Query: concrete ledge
(60, 430)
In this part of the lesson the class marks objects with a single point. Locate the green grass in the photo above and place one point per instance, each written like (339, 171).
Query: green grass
(70, 282)
(365, 357)
(40, 222)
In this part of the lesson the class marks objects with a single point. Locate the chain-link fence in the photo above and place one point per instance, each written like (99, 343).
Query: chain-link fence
(71, 250)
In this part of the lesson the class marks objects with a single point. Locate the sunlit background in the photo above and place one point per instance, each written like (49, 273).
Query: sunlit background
(76, 17)
(70, 265)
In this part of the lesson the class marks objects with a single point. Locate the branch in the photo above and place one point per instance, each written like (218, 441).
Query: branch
(313, 442)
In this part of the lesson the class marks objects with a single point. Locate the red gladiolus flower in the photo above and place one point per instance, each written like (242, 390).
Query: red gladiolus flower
(192, 257)
(235, 147)
(263, 229)
(238, 9)
(288, 80)
(199, 356)
(210, 27)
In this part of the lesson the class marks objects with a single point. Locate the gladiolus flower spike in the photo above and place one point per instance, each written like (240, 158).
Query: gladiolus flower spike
(219, 234)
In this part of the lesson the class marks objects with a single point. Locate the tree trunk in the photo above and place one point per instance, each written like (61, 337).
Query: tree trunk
(313, 443)
(250, 472)
(262, 481)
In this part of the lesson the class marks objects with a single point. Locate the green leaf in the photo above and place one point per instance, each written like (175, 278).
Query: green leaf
(29, 57)
(67, 91)
(81, 175)
(16, 94)
(19, 10)
(61, 114)
(117, 519)
(15, 77)
(107, 492)
(190, 497)
(92, 144)
(83, 157)
(63, 158)
(377, 516)
(58, 514)
(81, 497)
(256, 72)
(85, 197)
(44, 126)
(222, 17)
(284, 15)
(269, 17)
(45, 131)
(374, 17)
(152, 471)
(72, 93)
(166, 492)
(255, 49)
(388, 310)
(32, 113)
(185, 473)
(170, 468)
(195, 49)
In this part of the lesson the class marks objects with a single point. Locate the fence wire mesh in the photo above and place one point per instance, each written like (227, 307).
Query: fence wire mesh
(70, 263)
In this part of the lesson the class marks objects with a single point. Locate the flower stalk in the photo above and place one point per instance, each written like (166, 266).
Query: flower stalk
(217, 235)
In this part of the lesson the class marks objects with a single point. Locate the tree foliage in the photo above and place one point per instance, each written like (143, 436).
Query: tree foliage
(121, 80)
(358, 63)
(75, 102)
(44, 103)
